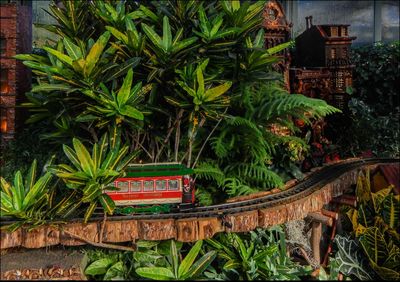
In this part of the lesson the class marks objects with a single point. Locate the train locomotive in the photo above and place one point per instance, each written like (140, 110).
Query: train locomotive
(154, 188)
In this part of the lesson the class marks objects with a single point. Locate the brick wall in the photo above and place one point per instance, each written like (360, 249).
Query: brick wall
(16, 30)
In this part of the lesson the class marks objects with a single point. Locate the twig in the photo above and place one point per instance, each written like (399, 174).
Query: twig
(100, 245)
(208, 137)
(103, 225)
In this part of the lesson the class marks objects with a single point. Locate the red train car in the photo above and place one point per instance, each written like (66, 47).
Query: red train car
(160, 184)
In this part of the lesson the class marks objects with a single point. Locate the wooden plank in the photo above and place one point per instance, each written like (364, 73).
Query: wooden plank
(10, 239)
(120, 231)
(35, 238)
(242, 222)
(316, 234)
(161, 229)
(272, 216)
(208, 227)
(88, 231)
(187, 229)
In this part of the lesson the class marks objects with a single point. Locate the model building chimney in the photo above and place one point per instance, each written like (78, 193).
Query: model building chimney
(309, 22)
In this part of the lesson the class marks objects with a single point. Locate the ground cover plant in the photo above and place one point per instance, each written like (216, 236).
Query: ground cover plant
(258, 255)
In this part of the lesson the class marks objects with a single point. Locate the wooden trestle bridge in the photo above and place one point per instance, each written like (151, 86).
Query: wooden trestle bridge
(330, 184)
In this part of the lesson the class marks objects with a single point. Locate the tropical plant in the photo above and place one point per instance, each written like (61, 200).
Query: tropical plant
(188, 268)
(92, 174)
(262, 255)
(28, 200)
(206, 75)
(375, 225)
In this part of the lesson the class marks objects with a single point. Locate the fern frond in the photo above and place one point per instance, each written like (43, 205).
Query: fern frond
(234, 187)
(209, 171)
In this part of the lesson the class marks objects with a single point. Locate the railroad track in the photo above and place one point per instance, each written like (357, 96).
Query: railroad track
(304, 188)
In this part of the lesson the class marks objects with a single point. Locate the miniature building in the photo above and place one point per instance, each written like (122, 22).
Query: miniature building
(326, 46)
(15, 79)
(277, 31)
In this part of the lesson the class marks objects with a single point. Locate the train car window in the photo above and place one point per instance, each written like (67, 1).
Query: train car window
(161, 185)
(148, 185)
(173, 185)
(123, 186)
(136, 186)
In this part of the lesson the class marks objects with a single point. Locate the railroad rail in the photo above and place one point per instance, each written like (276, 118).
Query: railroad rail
(204, 222)
(302, 189)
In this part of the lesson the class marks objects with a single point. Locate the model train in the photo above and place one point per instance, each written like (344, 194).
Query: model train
(155, 187)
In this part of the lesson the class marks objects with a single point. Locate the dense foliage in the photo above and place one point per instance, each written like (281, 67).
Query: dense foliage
(377, 76)
(372, 248)
(185, 81)
(258, 255)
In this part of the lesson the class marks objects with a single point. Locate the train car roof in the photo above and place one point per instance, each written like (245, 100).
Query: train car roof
(157, 169)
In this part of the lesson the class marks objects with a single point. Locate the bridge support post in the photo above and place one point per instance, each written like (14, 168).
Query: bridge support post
(316, 234)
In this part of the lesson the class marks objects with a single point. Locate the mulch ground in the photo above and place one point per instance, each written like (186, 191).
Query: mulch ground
(56, 263)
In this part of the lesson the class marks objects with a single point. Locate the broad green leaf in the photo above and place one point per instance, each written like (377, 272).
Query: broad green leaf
(62, 57)
(213, 93)
(73, 50)
(5, 186)
(124, 91)
(99, 266)
(152, 35)
(155, 273)
(50, 87)
(189, 259)
(183, 44)
(167, 36)
(107, 203)
(83, 155)
(37, 189)
(132, 112)
(30, 178)
(119, 35)
(200, 80)
(201, 265)
(95, 52)
(71, 155)
(88, 214)
(18, 191)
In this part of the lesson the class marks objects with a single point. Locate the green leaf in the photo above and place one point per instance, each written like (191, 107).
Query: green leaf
(99, 266)
(189, 259)
(124, 91)
(119, 35)
(131, 112)
(30, 178)
(152, 35)
(107, 203)
(18, 191)
(62, 57)
(83, 155)
(88, 214)
(71, 155)
(73, 50)
(50, 88)
(95, 52)
(201, 265)
(155, 273)
(37, 190)
(213, 93)
(200, 80)
(167, 36)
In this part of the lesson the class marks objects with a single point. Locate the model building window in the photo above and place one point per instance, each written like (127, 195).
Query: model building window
(4, 87)
(334, 31)
(3, 46)
(3, 121)
(344, 53)
(333, 53)
(339, 81)
(344, 31)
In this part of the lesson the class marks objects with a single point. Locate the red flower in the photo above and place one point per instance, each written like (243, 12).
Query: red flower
(327, 159)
